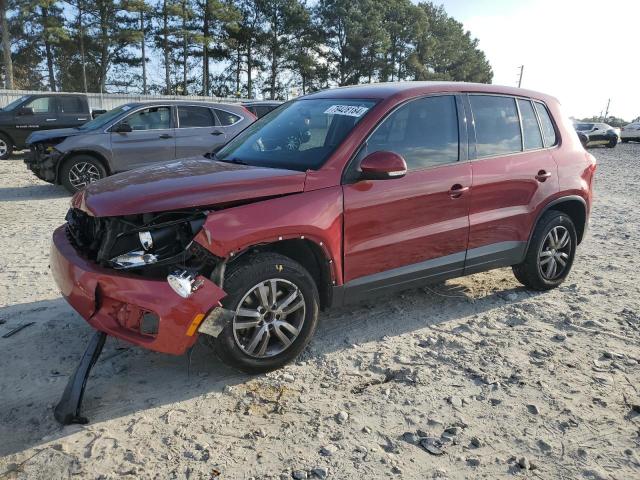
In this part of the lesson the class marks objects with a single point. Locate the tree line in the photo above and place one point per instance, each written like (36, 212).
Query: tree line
(244, 48)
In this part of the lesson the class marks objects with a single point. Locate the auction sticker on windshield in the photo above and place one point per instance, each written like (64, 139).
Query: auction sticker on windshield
(349, 110)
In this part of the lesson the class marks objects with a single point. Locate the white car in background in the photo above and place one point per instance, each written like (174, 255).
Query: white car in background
(630, 132)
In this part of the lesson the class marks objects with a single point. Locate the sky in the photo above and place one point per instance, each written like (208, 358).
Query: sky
(582, 52)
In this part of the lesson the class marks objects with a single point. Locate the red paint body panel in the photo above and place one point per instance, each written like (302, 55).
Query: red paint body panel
(315, 215)
(397, 222)
(113, 303)
(191, 182)
(506, 197)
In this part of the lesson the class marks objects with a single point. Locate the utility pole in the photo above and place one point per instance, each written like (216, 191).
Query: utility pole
(606, 112)
(520, 79)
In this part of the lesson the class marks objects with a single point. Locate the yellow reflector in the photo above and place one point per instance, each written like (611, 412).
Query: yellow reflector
(197, 320)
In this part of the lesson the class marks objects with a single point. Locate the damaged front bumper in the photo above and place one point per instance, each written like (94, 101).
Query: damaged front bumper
(145, 312)
(43, 161)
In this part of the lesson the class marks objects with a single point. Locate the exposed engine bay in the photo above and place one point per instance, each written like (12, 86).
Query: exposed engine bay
(150, 244)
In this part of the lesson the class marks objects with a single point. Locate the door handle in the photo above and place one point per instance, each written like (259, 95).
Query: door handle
(457, 190)
(51, 119)
(217, 132)
(165, 135)
(542, 175)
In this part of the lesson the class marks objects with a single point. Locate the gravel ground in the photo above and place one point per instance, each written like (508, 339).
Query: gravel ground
(473, 378)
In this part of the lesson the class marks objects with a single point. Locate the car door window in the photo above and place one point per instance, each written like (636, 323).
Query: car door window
(152, 118)
(227, 118)
(70, 105)
(193, 117)
(497, 125)
(530, 127)
(424, 132)
(42, 105)
(549, 131)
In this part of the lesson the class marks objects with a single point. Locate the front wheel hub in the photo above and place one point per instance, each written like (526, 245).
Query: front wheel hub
(269, 318)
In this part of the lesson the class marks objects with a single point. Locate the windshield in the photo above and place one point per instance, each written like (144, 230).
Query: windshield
(298, 136)
(15, 103)
(102, 120)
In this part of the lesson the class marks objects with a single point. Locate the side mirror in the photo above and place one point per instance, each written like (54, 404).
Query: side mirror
(25, 111)
(123, 127)
(382, 165)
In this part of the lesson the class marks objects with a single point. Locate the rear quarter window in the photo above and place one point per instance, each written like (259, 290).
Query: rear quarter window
(550, 138)
(227, 118)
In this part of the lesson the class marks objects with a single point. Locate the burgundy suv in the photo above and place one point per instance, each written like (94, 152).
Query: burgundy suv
(331, 198)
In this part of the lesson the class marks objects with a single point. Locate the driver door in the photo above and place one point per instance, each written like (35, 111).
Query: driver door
(408, 231)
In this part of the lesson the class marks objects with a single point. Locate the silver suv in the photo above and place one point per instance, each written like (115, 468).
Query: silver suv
(131, 136)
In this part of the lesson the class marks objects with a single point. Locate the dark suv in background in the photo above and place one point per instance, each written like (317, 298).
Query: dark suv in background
(131, 136)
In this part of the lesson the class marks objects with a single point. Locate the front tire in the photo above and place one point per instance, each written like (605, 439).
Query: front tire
(276, 303)
(6, 147)
(551, 251)
(79, 171)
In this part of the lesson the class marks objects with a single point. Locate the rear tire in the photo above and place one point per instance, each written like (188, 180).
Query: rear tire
(551, 251)
(267, 332)
(612, 143)
(79, 171)
(6, 147)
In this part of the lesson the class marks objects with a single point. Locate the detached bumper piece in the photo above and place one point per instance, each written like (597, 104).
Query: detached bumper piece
(143, 311)
(68, 409)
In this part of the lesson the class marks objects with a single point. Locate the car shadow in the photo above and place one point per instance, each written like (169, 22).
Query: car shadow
(38, 360)
(42, 191)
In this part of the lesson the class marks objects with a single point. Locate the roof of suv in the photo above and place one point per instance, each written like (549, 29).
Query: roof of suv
(183, 102)
(415, 88)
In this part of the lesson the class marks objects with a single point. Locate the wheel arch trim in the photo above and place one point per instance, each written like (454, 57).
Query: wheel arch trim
(555, 203)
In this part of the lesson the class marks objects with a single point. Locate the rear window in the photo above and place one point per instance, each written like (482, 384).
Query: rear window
(530, 127)
(547, 125)
(497, 125)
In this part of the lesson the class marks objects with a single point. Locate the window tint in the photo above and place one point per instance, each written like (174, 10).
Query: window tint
(153, 118)
(583, 127)
(42, 105)
(424, 132)
(530, 128)
(190, 117)
(547, 125)
(497, 125)
(227, 118)
(70, 104)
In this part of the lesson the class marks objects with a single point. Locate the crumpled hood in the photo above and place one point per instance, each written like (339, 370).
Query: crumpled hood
(61, 133)
(186, 183)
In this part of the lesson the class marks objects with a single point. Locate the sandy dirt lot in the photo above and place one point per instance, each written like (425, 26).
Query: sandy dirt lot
(473, 378)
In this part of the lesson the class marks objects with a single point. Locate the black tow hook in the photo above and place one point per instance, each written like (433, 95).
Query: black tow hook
(68, 409)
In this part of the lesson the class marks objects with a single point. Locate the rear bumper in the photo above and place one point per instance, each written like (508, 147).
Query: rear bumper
(115, 303)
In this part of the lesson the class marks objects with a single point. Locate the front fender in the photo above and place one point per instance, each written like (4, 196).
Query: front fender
(315, 216)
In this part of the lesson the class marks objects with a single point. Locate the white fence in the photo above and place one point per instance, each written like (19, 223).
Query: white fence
(107, 101)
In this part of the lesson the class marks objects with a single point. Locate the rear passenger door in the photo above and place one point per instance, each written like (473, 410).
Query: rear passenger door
(514, 174)
(71, 111)
(196, 132)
